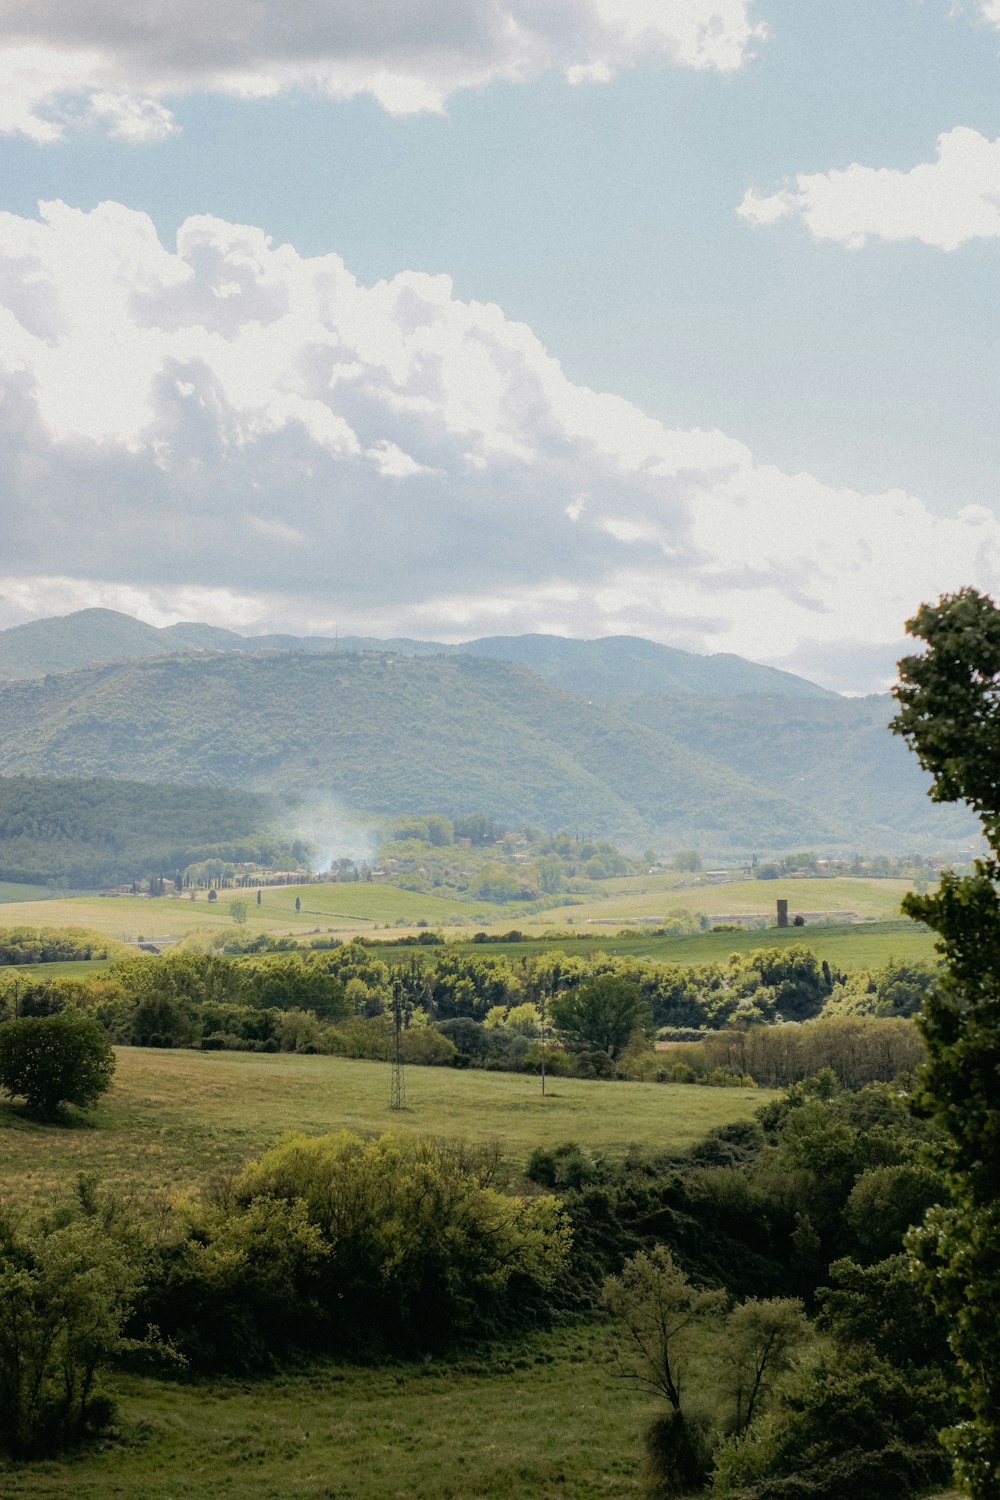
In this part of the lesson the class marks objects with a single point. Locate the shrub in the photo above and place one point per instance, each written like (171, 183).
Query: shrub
(66, 1291)
(52, 1061)
(424, 1248)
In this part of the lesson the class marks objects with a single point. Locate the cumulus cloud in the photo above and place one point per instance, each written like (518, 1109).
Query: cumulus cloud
(943, 203)
(71, 65)
(230, 431)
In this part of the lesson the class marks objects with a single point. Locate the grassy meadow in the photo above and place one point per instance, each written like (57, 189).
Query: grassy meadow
(356, 908)
(546, 1417)
(173, 1118)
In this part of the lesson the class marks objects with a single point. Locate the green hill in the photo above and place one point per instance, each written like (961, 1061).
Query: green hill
(386, 733)
(98, 832)
(614, 664)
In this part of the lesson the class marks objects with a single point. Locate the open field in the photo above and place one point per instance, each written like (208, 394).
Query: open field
(70, 968)
(173, 1118)
(845, 946)
(546, 1418)
(654, 895)
(11, 892)
(543, 1418)
(349, 909)
(361, 906)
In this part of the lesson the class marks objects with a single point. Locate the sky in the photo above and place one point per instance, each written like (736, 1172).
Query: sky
(451, 318)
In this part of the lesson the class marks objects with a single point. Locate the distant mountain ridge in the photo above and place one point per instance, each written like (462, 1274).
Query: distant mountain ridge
(454, 733)
(611, 664)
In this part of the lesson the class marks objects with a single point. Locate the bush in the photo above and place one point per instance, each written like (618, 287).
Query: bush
(52, 1061)
(423, 1249)
(66, 1291)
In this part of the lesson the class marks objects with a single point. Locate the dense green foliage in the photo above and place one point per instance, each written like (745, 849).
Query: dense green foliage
(591, 1017)
(46, 945)
(67, 1288)
(949, 712)
(93, 832)
(52, 1061)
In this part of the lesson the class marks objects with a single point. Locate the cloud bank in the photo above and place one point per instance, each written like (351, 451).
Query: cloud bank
(944, 203)
(66, 65)
(233, 432)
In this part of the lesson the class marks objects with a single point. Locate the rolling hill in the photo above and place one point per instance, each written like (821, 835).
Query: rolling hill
(386, 733)
(613, 664)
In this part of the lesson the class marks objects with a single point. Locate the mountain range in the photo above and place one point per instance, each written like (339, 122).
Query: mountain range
(619, 737)
(95, 637)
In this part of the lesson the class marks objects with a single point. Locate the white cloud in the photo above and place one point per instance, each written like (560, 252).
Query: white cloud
(943, 203)
(234, 432)
(64, 65)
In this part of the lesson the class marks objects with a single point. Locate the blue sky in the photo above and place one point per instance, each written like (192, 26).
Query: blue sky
(766, 236)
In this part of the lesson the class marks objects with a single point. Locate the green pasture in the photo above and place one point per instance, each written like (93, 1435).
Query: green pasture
(173, 1118)
(548, 1417)
(10, 891)
(70, 968)
(845, 946)
(354, 908)
(635, 896)
(350, 908)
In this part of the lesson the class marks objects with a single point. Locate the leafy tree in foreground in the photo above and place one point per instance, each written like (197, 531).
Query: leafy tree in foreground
(658, 1310)
(950, 713)
(51, 1061)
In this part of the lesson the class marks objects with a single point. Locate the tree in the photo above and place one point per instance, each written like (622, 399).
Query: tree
(949, 712)
(762, 1336)
(657, 1307)
(52, 1061)
(66, 1292)
(602, 1013)
(659, 1310)
(238, 911)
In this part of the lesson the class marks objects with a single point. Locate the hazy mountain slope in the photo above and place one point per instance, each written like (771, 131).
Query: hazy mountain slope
(835, 754)
(615, 664)
(389, 734)
(96, 832)
(626, 663)
(89, 636)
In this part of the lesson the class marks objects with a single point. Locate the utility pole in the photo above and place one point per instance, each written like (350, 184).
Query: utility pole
(398, 1095)
(541, 1009)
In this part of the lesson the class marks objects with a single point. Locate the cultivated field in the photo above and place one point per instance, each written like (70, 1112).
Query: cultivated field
(354, 908)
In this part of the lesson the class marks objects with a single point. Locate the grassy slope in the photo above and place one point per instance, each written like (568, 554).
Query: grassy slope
(174, 1118)
(10, 891)
(844, 947)
(545, 1419)
(360, 909)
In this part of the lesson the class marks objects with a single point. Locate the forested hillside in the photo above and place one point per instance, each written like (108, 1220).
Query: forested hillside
(613, 664)
(384, 733)
(94, 832)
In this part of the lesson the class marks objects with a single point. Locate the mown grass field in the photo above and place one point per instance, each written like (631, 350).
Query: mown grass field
(12, 892)
(350, 908)
(173, 1118)
(653, 895)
